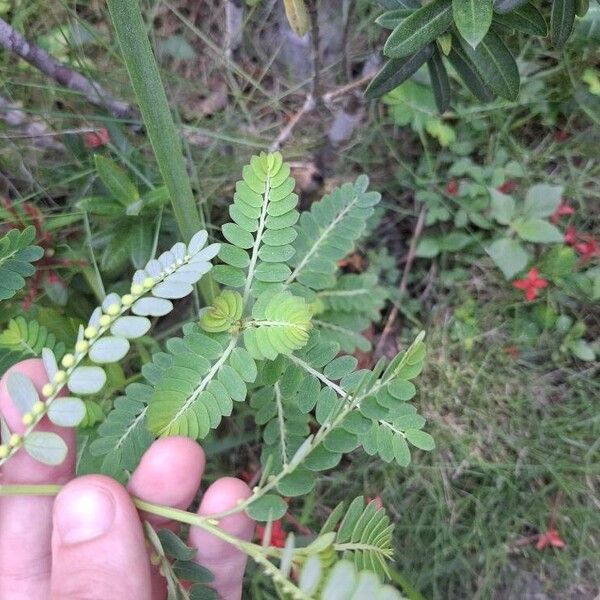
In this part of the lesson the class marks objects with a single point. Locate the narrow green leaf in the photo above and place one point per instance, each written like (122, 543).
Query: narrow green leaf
(116, 180)
(495, 65)
(562, 20)
(439, 80)
(396, 71)
(468, 73)
(472, 19)
(527, 19)
(420, 28)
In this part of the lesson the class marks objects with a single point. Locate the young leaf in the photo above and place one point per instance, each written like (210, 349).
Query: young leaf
(562, 19)
(66, 412)
(538, 230)
(420, 28)
(473, 19)
(116, 180)
(46, 447)
(21, 391)
(16, 256)
(495, 65)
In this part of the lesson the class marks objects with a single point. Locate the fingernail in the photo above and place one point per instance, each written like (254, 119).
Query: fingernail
(82, 513)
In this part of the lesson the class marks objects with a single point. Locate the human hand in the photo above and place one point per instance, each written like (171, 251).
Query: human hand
(88, 543)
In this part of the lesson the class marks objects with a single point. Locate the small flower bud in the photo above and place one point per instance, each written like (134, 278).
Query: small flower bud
(14, 440)
(113, 310)
(148, 282)
(68, 360)
(127, 300)
(59, 377)
(47, 390)
(38, 408)
(82, 346)
(155, 559)
(27, 419)
(137, 289)
(105, 320)
(4, 450)
(90, 332)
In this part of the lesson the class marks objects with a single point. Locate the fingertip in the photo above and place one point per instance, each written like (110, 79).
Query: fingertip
(170, 472)
(224, 494)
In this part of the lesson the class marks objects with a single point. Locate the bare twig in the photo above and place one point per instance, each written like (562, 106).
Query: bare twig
(14, 42)
(410, 257)
(284, 134)
(316, 53)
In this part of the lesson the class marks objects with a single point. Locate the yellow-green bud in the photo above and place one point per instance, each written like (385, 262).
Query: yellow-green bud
(105, 320)
(82, 346)
(4, 450)
(148, 282)
(127, 300)
(68, 360)
(90, 332)
(38, 408)
(137, 289)
(155, 559)
(47, 390)
(14, 440)
(59, 377)
(27, 419)
(113, 310)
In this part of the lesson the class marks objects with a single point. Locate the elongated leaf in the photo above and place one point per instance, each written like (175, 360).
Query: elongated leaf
(472, 19)
(527, 19)
(420, 28)
(396, 71)
(21, 391)
(297, 16)
(495, 65)
(439, 81)
(468, 73)
(562, 20)
(504, 6)
(392, 18)
(116, 180)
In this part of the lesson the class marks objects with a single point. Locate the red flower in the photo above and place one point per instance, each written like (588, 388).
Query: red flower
(531, 284)
(570, 235)
(587, 248)
(452, 188)
(563, 210)
(278, 534)
(508, 186)
(377, 499)
(95, 139)
(550, 538)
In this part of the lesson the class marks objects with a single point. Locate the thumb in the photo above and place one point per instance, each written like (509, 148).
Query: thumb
(98, 548)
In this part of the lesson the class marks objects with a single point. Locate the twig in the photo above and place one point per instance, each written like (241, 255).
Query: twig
(284, 134)
(410, 257)
(316, 54)
(14, 42)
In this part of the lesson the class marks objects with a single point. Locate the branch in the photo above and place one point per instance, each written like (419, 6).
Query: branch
(14, 42)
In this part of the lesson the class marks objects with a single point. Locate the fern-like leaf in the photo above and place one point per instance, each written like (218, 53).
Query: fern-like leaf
(195, 383)
(16, 256)
(329, 231)
(264, 215)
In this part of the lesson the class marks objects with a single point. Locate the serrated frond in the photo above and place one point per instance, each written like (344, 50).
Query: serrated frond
(264, 215)
(16, 255)
(123, 437)
(196, 383)
(328, 232)
(27, 338)
(280, 324)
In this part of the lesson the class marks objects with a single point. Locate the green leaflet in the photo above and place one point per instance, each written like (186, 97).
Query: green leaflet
(418, 29)
(280, 324)
(472, 19)
(224, 314)
(495, 65)
(562, 20)
(16, 256)
(263, 217)
(329, 231)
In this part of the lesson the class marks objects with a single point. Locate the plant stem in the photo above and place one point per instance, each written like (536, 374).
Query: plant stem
(152, 99)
